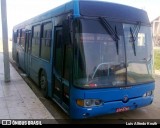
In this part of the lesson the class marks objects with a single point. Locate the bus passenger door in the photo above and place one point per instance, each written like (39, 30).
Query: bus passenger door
(27, 51)
(61, 86)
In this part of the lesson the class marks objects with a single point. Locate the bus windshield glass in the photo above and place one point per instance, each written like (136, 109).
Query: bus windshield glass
(139, 53)
(100, 59)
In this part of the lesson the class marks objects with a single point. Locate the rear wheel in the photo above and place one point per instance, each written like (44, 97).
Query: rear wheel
(44, 83)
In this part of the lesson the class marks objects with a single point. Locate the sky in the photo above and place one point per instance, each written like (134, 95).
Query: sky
(21, 10)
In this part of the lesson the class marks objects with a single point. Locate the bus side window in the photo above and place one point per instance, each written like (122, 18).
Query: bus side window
(46, 41)
(15, 36)
(22, 38)
(36, 40)
(18, 36)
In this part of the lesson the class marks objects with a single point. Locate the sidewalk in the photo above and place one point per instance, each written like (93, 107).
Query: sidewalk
(17, 100)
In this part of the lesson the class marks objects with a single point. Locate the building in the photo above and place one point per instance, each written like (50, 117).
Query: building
(156, 31)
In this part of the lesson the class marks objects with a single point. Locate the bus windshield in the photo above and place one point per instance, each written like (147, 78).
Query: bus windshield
(100, 60)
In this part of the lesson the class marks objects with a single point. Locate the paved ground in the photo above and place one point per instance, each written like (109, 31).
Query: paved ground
(17, 100)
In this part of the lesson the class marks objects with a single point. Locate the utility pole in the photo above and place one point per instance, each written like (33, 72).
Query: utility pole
(5, 41)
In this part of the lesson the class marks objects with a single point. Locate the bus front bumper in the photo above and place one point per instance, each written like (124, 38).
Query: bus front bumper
(78, 112)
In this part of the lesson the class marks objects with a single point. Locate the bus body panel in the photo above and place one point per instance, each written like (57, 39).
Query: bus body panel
(115, 94)
(109, 108)
(112, 99)
(37, 65)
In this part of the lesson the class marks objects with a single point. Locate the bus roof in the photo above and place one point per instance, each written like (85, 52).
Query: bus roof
(94, 9)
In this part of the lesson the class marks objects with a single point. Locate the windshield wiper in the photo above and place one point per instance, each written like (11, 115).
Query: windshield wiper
(109, 29)
(134, 35)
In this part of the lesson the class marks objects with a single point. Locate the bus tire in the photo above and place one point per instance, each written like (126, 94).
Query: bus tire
(43, 82)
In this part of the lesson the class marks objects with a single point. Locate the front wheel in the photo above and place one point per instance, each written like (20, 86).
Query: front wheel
(44, 84)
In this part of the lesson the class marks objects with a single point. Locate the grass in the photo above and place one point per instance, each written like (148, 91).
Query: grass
(157, 59)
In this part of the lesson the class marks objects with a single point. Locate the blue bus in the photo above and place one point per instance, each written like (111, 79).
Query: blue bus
(91, 57)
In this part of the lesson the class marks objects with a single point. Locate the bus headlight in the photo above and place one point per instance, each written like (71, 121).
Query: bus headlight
(149, 93)
(98, 102)
(89, 102)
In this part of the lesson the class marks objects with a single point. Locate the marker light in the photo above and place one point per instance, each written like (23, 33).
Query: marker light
(92, 85)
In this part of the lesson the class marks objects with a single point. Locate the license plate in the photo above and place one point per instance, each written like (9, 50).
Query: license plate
(122, 109)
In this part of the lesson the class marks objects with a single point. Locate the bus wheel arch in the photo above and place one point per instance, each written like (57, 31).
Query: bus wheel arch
(43, 82)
